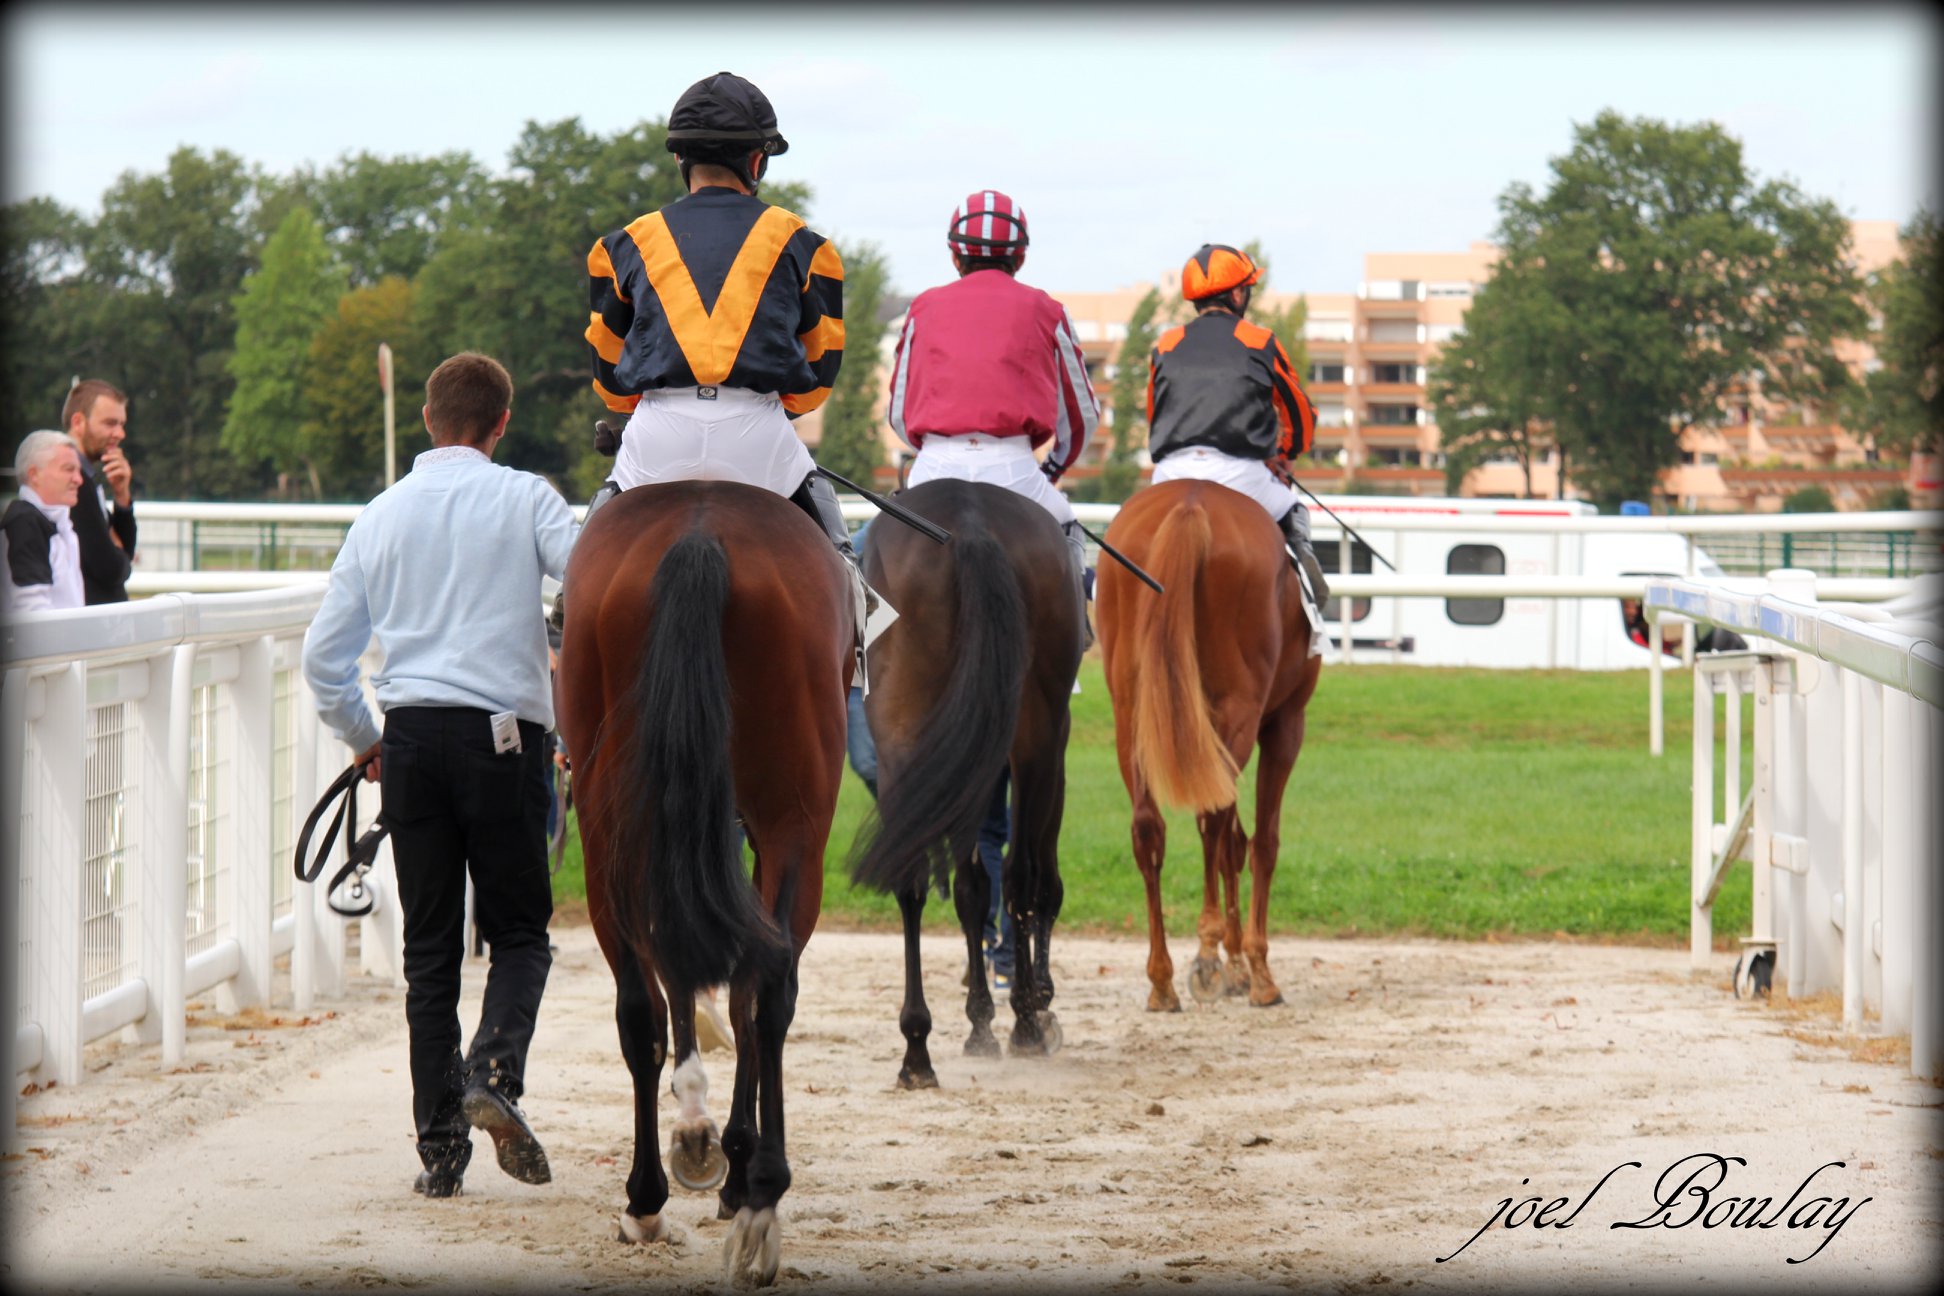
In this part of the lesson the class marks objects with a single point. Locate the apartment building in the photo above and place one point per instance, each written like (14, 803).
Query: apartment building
(1370, 356)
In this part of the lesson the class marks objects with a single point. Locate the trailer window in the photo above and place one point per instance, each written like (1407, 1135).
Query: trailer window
(1328, 556)
(1475, 560)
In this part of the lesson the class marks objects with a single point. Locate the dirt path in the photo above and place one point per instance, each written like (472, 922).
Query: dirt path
(1345, 1140)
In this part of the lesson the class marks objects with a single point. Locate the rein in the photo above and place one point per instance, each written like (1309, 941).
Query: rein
(358, 855)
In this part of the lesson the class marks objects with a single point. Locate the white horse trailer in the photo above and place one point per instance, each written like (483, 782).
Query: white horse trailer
(1518, 538)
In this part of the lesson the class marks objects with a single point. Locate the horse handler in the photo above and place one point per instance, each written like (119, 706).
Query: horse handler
(444, 568)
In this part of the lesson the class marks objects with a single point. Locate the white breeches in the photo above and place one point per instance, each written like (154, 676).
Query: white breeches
(740, 436)
(998, 461)
(1249, 476)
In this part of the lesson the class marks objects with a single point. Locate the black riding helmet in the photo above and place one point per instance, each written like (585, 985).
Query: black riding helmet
(722, 119)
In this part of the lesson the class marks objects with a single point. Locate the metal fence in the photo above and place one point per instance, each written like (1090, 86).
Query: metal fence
(1840, 825)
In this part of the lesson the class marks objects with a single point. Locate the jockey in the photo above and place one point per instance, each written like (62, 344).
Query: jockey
(719, 319)
(1224, 404)
(988, 370)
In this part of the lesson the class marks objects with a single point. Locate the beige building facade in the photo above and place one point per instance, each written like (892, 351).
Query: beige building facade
(1371, 352)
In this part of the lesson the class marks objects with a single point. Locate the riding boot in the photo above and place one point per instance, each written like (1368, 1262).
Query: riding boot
(557, 619)
(1296, 530)
(1077, 542)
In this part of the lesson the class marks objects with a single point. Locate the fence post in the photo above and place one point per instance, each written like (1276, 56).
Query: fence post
(1900, 859)
(1927, 895)
(1855, 913)
(1762, 826)
(1656, 725)
(61, 734)
(165, 796)
(253, 696)
(1701, 826)
(13, 745)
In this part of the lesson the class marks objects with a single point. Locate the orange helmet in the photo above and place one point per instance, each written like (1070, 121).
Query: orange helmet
(1216, 268)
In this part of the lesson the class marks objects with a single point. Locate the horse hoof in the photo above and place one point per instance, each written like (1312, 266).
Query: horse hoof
(1205, 980)
(1050, 1033)
(1163, 1000)
(754, 1246)
(1235, 980)
(695, 1159)
(909, 1079)
(639, 1231)
(981, 1044)
(1275, 998)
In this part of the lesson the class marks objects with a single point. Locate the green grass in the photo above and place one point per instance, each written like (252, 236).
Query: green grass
(1428, 801)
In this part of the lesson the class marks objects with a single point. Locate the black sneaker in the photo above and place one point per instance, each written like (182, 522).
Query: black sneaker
(520, 1154)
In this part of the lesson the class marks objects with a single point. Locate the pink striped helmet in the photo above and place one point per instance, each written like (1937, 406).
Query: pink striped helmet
(988, 224)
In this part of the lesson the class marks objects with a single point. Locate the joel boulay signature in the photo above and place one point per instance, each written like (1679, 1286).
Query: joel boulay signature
(1693, 1192)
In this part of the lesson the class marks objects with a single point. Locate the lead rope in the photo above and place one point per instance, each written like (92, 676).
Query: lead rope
(358, 855)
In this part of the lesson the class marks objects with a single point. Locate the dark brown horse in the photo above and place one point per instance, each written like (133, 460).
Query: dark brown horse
(975, 676)
(1200, 676)
(703, 674)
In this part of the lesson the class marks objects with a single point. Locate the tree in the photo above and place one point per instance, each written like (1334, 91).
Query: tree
(50, 310)
(385, 216)
(1901, 405)
(1809, 499)
(1487, 398)
(280, 308)
(1120, 473)
(1286, 323)
(1669, 275)
(343, 431)
(850, 444)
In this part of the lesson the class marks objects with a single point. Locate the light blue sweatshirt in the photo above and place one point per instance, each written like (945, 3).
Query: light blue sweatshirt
(444, 568)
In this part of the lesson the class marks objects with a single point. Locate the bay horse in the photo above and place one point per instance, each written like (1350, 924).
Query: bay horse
(1199, 676)
(704, 668)
(974, 677)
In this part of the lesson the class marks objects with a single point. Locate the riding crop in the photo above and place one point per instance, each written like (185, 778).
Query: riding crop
(1122, 559)
(904, 515)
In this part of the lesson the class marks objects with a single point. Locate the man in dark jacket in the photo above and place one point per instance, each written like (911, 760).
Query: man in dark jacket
(96, 416)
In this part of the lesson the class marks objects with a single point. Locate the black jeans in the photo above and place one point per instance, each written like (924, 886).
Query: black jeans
(452, 802)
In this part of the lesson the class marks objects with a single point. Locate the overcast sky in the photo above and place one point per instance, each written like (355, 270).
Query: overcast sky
(1129, 134)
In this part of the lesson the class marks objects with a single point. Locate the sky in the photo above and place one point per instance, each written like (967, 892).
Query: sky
(1130, 134)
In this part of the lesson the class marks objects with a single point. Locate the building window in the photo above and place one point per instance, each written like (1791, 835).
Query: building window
(1393, 415)
(1393, 373)
(1475, 560)
(1329, 416)
(1392, 456)
(1329, 556)
(1326, 373)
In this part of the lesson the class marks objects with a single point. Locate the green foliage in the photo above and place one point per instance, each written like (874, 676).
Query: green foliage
(1669, 274)
(1486, 392)
(46, 330)
(1120, 473)
(850, 443)
(1809, 499)
(1901, 405)
(342, 437)
(1286, 323)
(281, 306)
(386, 216)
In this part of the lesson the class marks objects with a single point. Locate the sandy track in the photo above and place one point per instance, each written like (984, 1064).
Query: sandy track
(1344, 1140)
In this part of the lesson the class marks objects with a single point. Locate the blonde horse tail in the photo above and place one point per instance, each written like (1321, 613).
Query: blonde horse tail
(1177, 752)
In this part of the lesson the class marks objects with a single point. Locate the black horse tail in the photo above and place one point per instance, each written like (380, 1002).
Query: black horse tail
(677, 888)
(928, 818)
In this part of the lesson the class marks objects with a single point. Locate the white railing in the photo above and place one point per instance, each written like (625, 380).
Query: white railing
(1841, 823)
(160, 756)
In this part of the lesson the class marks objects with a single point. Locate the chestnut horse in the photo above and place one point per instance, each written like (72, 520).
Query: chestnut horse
(975, 676)
(1199, 677)
(703, 673)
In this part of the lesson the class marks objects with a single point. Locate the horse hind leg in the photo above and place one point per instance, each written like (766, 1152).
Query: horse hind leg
(1150, 833)
(1233, 851)
(695, 1155)
(972, 893)
(754, 1246)
(1280, 742)
(914, 1018)
(640, 1014)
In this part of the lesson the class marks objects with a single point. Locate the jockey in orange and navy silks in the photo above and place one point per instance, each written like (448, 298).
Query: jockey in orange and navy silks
(718, 319)
(1224, 403)
(988, 371)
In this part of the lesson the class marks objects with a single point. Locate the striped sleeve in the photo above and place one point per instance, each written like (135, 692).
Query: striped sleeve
(820, 327)
(1154, 363)
(610, 316)
(1079, 412)
(901, 380)
(1293, 408)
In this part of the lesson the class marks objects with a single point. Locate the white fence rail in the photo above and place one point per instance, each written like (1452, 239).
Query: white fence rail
(1841, 823)
(160, 757)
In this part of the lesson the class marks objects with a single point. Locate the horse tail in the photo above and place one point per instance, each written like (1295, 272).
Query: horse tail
(1176, 749)
(677, 889)
(928, 819)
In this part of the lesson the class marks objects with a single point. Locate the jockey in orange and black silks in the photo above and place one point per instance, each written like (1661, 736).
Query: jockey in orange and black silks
(1224, 403)
(717, 320)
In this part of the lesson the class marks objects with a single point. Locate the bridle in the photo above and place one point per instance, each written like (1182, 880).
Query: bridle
(358, 855)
